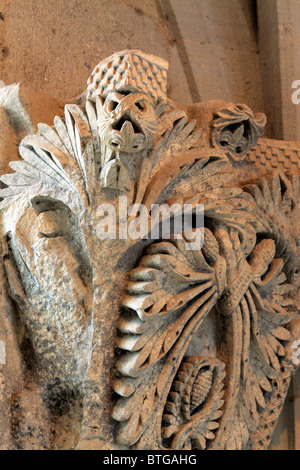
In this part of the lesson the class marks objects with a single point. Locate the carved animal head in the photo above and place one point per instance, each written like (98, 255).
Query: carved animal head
(127, 121)
(127, 88)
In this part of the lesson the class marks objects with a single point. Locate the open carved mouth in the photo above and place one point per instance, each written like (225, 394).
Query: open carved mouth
(127, 118)
(127, 134)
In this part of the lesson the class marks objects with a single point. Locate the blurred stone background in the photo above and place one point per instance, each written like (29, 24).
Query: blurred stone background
(243, 51)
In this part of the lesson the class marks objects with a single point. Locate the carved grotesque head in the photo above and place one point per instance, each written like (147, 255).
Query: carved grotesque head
(127, 121)
(127, 87)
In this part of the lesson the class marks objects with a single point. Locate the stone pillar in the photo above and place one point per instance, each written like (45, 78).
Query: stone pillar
(279, 38)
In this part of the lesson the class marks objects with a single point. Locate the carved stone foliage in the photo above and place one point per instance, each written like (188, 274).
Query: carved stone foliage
(144, 343)
(236, 129)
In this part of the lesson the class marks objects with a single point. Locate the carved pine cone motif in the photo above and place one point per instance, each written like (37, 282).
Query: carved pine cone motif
(210, 249)
(194, 402)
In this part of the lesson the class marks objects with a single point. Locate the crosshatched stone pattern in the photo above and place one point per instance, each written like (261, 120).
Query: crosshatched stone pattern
(129, 71)
(137, 343)
(276, 154)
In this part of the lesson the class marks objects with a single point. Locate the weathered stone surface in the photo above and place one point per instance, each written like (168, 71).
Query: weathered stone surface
(21, 110)
(123, 340)
(280, 65)
(97, 26)
(215, 40)
(8, 143)
(57, 38)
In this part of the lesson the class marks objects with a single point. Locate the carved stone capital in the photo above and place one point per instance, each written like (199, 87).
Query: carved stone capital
(130, 331)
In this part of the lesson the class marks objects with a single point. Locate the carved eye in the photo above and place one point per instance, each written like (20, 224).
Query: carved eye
(141, 105)
(111, 102)
(112, 105)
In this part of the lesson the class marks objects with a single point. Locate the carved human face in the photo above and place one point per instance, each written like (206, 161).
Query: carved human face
(127, 121)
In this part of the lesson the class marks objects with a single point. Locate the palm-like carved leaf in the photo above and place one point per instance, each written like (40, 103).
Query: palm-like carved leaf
(55, 160)
(165, 292)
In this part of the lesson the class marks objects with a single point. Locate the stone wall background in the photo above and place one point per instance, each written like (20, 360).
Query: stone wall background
(211, 44)
(236, 50)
